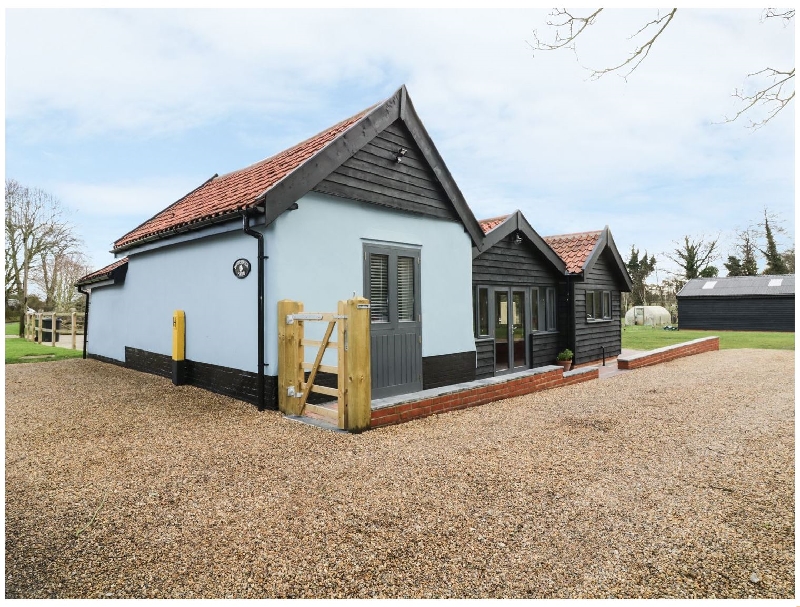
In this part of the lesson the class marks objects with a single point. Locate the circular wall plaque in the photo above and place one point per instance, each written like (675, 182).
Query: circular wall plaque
(241, 268)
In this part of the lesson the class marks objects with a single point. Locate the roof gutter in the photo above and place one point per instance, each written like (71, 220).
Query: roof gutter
(182, 229)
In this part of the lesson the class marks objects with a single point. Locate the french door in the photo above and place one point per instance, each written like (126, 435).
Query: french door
(510, 330)
(392, 285)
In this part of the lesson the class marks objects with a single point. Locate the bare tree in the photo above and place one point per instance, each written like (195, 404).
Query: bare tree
(58, 271)
(13, 246)
(788, 259)
(694, 257)
(774, 88)
(35, 226)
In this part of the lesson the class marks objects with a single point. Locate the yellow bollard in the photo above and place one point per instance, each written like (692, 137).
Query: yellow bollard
(179, 347)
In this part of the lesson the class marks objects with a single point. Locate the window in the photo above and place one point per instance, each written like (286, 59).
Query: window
(379, 288)
(391, 282)
(535, 309)
(405, 288)
(483, 311)
(474, 313)
(598, 305)
(550, 309)
(590, 305)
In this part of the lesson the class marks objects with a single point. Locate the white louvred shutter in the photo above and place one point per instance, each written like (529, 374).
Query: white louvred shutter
(405, 288)
(379, 288)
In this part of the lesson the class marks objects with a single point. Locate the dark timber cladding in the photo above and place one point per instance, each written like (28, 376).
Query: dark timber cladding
(737, 313)
(484, 358)
(592, 335)
(375, 175)
(508, 264)
(545, 346)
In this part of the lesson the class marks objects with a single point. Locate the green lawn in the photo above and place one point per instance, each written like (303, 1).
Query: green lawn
(17, 348)
(649, 338)
(12, 328)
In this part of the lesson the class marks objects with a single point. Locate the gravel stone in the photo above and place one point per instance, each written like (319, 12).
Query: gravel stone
(672, 481)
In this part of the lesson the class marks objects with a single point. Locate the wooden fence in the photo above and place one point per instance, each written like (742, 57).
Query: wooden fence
(353, 392)
(34, 326)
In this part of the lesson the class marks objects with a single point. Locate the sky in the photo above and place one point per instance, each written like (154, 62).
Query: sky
(119, 113)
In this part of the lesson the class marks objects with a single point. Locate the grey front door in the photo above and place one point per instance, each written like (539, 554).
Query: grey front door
(392, 285)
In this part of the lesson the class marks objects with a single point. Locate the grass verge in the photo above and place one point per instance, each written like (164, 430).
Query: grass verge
(17, 349)
(650, 338)
(12, 328)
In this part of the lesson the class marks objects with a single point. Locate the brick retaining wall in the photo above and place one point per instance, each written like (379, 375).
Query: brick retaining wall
(662, 355)
(472, 394)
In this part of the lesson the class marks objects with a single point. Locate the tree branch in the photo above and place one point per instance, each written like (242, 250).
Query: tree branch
(640, 54)
(577, 25)
(571, 21)
(772, 96)
(777, 13)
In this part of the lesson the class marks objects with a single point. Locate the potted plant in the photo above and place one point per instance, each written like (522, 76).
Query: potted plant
(564, 359)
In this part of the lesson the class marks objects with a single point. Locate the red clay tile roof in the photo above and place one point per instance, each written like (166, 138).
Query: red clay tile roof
(487, 225)
(574, 249)
(237, 190)
(102, 273)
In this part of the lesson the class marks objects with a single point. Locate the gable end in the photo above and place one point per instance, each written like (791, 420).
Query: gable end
(374, 175)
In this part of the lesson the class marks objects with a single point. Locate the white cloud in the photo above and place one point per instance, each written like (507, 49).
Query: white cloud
(129, 199)
(515, 130)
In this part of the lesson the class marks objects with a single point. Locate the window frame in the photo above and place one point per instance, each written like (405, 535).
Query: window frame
(393, 252)
(551, 311)
(414, 290)
(368, 290)
(589, 307)
(599, 298)
(476, 312)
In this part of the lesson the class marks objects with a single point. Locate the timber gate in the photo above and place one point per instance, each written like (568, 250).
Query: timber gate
(353, 380)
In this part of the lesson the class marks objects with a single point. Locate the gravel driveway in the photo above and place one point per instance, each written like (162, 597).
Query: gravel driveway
(668, 481)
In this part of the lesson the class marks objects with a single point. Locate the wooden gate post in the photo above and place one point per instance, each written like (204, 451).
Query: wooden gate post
(290, 359)
(39, 318)
(357, 365)
(53, 336)
(341, 364)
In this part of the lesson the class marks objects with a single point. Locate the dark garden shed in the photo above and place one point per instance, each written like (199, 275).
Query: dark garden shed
(738, 303)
